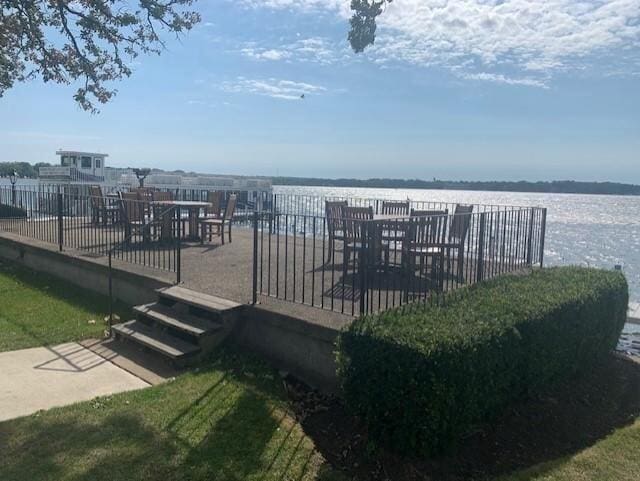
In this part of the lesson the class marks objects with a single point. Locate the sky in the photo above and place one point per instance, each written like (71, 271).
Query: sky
(462, 90)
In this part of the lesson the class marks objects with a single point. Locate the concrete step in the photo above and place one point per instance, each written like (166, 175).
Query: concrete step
(224, 308)
(169, 346)
(186, 323)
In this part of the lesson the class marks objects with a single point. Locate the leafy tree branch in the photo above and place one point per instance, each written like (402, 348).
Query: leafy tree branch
(93, 41)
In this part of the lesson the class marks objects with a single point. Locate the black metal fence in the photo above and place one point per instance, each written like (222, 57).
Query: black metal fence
(299, 204)
(358, 266)
(131, 230)
(370, 259)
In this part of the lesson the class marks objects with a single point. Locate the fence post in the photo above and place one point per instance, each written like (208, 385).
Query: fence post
(110, 295)
(60, 223)
(481, 235)
(364, 253)
(179, 249)
(543, 231)
(254, 298)
(530, 238)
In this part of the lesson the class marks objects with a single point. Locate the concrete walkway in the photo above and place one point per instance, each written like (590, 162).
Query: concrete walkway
(46, 377)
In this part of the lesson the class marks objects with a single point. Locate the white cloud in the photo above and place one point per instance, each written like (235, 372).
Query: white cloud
(265, 54)
(528, 34)
(533, 37)
(502, 79)
(313, 49)
(278, 89)
(341, 6)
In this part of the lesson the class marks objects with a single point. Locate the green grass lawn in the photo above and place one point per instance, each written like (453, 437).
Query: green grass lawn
(615, 458)
(228, 421)
(37, 310)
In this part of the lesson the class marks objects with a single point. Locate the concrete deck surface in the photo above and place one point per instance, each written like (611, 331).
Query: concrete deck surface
(47, 377)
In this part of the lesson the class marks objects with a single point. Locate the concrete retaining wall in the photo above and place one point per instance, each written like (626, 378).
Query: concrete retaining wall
(128, 287)
(298, 346)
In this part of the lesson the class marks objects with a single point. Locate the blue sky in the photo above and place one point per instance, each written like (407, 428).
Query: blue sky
(473, 89)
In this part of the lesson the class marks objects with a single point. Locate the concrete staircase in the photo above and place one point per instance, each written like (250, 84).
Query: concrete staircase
(183, 325)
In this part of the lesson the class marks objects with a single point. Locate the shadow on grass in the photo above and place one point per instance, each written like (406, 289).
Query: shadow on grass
(120, 446)
(59, 289)
(205, 425)
(541, 432)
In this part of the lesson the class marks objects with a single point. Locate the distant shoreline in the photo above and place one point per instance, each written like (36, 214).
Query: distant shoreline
(551, 187)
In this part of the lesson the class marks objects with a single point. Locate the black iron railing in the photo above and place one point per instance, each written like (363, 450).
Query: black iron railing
(130, 230)
(314, 205)
(356, 266)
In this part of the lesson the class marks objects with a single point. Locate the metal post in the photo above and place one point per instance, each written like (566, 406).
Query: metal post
(481, 235)
(13, 194)
(530, 238)
(254, 298)
(543, 230)
(364, 251)
(60, 224)
(110, 295)
(179, 250)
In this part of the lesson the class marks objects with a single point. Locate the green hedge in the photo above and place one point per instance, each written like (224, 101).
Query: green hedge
(11, 212)
(423, 376)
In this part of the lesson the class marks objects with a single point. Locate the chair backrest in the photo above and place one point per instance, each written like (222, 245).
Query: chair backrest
(95, 192)
(353, 218)
(393, 208)
(160, 211)
(161, 196)
(427, 213)
(231, 207)
(144, 193)
(460, 222)
(130, 207)
(333, 213)
(214, 197)
(427, 230)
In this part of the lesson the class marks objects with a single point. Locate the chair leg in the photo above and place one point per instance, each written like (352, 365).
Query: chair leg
(346, 254)
(221, 230)
(230, 233)
(460, 262)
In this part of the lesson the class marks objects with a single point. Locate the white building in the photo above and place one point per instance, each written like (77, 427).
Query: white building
(76, 166)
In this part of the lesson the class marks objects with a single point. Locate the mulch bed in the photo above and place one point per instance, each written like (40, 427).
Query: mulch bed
(567, 418)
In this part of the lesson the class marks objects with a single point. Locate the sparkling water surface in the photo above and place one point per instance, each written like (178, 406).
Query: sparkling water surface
(589, 230)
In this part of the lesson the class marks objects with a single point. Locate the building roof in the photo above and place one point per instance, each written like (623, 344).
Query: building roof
(77, 152)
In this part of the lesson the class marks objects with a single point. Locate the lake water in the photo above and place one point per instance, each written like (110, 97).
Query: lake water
(588, 230)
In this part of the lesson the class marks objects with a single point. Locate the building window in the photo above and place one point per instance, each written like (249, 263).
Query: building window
(98, 162)
(86, 162)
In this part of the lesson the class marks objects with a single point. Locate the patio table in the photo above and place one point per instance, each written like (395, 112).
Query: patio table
(192, 208)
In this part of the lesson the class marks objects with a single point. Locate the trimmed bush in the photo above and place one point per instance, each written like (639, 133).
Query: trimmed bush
(422, 376)
(11, 212)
